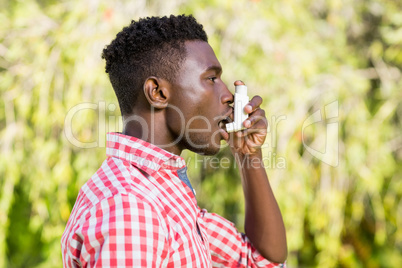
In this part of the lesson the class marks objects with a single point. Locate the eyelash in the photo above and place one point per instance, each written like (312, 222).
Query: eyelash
(212, 79)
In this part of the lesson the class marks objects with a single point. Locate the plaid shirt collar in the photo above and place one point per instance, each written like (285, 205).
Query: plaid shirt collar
(141, 154)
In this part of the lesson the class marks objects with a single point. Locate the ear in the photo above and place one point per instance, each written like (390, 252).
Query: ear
(156, 92)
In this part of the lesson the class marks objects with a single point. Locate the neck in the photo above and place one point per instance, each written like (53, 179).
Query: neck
(152, 128)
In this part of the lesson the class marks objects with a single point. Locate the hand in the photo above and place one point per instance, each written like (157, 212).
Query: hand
(250, 140)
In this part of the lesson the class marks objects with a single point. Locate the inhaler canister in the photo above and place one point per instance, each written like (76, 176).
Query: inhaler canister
(240, 101)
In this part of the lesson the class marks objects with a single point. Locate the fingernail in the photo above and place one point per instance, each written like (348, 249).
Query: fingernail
(238, 83)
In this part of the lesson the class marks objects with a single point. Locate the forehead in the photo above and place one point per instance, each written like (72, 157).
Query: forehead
(200, 54)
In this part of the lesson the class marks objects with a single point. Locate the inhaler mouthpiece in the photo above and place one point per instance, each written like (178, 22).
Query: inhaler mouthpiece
(240, 101)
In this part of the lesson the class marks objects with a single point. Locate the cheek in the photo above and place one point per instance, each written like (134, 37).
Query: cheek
(199, 121)
(196, 110)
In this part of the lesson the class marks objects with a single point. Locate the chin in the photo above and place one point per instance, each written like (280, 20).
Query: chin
(210, 149)
(205, 151)
(204, 145)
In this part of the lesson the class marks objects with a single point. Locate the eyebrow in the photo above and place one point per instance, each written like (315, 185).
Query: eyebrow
(216, 68)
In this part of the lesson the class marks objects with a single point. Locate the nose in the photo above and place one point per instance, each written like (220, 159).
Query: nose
(226, 96)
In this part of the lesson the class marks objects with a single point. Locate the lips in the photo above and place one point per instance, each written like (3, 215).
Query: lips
(222, 123)
(225, 118)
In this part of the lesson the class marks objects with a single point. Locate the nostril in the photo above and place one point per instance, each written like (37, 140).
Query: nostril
(227, 96)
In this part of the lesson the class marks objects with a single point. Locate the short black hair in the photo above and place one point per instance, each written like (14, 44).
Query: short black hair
(152, 46)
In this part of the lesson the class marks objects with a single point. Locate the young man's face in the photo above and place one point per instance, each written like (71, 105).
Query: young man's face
(202, 100)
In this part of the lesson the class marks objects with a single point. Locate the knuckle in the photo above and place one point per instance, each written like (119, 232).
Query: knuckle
(260, 113)
(258, 99)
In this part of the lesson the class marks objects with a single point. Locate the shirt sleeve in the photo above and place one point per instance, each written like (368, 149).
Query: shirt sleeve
(228, 247)
(122, 231)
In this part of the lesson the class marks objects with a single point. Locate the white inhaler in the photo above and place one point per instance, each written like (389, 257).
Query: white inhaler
(240, 101)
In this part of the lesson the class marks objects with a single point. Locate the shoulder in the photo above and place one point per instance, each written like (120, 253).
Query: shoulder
(120, 221)
(117, 187)
(114, 202)
(114, 177)
(116, 215)
(127, 208)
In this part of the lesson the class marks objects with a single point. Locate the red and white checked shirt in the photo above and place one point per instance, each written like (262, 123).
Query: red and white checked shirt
(139, 210)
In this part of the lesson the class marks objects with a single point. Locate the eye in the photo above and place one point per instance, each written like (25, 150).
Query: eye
(213, 78)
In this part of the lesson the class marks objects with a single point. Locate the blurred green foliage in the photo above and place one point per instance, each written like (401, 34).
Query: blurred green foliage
(298, 55)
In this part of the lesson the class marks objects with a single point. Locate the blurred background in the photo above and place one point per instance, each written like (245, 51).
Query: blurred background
(339, 187)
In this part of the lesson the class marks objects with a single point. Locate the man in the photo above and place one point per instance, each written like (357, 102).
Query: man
(139, 209)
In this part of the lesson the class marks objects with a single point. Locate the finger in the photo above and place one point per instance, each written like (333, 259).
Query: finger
(234, 140)
(256, 116)
(249, 131)
(238, 83)
(254, 104)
